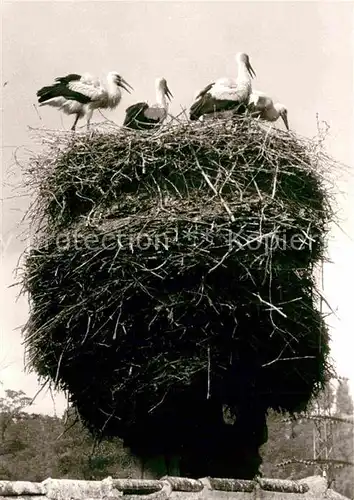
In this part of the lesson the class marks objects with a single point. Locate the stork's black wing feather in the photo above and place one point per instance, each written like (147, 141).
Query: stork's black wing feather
(136, 108)
(61, 90)
(202, 106)
(205, 104)
(44, 90)
(136, 119)
(133, 112)
(68, 78)
(208, 104)
(253, 111)
(205, 90)
(64, 80)
(200, 101)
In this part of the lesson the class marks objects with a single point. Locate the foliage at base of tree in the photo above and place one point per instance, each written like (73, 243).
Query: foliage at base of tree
(34, 447)
(320, 439)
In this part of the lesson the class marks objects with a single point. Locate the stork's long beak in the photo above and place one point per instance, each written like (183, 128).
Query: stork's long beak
(285, 120)
(124, 84)
(251, 70)
(168, 93)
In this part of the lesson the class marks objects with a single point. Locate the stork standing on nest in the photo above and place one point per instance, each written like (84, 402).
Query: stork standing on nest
(80, 95)
(226, 94)
(261, 106)
(141, 116)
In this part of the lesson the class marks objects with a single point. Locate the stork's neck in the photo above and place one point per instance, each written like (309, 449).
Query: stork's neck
(161, 99)
(112, 87)
(243, 74)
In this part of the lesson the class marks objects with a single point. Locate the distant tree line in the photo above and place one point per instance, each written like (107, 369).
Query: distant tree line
(321, 439)
(34, 446)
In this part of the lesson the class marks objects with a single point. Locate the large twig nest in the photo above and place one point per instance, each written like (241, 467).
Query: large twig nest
(175, 265)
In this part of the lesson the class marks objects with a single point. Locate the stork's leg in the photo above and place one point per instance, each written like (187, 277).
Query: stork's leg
(88, 117)
(75, 122)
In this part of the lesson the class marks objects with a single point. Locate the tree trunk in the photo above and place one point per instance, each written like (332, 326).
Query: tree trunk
(231, 451)
(160, 465)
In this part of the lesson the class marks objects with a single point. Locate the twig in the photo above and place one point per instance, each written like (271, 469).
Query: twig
(272, 306)
(232, 218)
(208, 389)
(295, 358)
(275, 181)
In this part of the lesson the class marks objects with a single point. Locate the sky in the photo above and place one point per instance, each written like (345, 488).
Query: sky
(302, 53)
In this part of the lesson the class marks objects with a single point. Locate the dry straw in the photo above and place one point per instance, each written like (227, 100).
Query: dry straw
(177, 262)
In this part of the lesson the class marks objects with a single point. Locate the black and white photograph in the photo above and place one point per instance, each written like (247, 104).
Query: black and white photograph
(177, 243)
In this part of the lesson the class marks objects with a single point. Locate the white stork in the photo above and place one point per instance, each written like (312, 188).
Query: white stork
(226, 93)
(261, 106)
(141, 116)
(80, 95)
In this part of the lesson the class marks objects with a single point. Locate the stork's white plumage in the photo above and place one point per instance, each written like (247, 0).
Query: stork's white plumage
(262, 106)
(226, 93)
(80, 95)
(141, 116)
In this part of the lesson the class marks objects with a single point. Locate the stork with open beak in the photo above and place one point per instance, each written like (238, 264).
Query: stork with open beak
(226, 93)
(141, 116)
(80, 95)
(261, 106)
